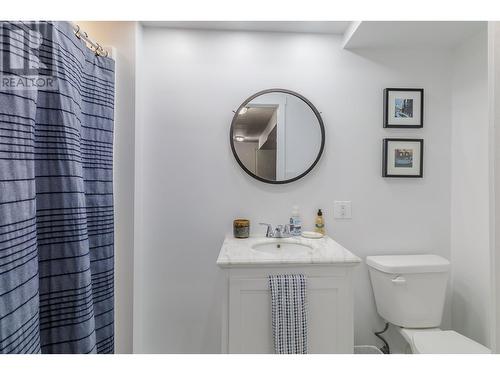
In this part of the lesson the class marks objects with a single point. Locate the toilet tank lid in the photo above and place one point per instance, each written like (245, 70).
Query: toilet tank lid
(417, 263)
(446, 342)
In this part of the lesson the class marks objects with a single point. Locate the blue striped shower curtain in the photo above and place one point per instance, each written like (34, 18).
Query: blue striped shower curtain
(56, 193)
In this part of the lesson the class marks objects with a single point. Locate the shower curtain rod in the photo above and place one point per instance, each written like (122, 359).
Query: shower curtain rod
(97, 48)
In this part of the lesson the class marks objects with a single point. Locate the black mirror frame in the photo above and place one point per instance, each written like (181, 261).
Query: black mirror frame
(316, 113)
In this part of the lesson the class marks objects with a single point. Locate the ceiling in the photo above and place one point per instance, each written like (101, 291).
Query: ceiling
(322, 27)
(411, 34)
(356, 34)
(253, 122)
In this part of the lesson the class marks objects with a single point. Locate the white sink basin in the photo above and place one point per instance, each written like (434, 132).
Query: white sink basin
(282, 247)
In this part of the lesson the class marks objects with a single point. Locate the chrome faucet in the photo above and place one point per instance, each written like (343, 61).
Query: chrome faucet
(281, 231)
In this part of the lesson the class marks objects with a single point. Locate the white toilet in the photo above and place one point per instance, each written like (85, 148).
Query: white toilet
(410, 293)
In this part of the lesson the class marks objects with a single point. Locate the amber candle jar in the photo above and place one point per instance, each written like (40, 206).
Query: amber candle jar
(241, 228)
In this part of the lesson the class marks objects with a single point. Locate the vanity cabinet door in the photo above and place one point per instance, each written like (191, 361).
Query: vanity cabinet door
(250, 316)
(330, 321)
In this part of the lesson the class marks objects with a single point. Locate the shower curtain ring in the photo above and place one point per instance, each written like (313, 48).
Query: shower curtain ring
(77, 32)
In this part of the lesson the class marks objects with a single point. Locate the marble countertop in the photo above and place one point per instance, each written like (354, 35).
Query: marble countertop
(317, 251)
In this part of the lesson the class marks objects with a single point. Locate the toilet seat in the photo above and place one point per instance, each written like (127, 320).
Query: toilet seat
(435, 341)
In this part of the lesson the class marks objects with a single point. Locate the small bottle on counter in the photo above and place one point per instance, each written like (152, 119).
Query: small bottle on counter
(319, 226)
(295, 222)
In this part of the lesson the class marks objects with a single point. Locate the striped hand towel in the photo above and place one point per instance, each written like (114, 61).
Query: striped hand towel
(289, 313)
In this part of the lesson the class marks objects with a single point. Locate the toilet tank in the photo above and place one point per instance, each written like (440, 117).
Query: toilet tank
(409, 290)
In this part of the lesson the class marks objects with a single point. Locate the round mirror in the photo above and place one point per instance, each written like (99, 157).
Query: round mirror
(277, 136)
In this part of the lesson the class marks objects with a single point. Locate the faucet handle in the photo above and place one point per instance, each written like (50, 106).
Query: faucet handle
(269, 231)
(286, 229)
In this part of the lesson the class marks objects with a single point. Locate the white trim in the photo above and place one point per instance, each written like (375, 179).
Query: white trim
(138, 281)
(350, 31)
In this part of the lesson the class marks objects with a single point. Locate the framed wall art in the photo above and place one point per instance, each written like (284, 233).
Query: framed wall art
(403, 157)
(403, 108)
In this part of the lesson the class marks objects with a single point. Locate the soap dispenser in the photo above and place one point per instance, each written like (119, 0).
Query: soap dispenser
(295, 222)
(319, 226)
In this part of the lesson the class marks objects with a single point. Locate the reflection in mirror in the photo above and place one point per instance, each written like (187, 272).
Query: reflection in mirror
(277, 136)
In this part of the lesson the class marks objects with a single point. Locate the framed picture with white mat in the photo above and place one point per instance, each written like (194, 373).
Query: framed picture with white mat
(403, 157)
(403, 108)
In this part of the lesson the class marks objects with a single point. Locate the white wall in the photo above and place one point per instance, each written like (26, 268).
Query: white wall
(302, 137)
(192, 188)
(494, 193)
(121, 35)
(470, 248)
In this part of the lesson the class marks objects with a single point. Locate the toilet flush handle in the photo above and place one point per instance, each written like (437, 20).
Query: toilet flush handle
(399, 280)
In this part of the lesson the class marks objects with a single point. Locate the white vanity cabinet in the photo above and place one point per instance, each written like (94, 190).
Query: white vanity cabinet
(246, 325)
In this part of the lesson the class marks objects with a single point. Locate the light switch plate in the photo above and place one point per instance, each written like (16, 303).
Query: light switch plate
(342, 210)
